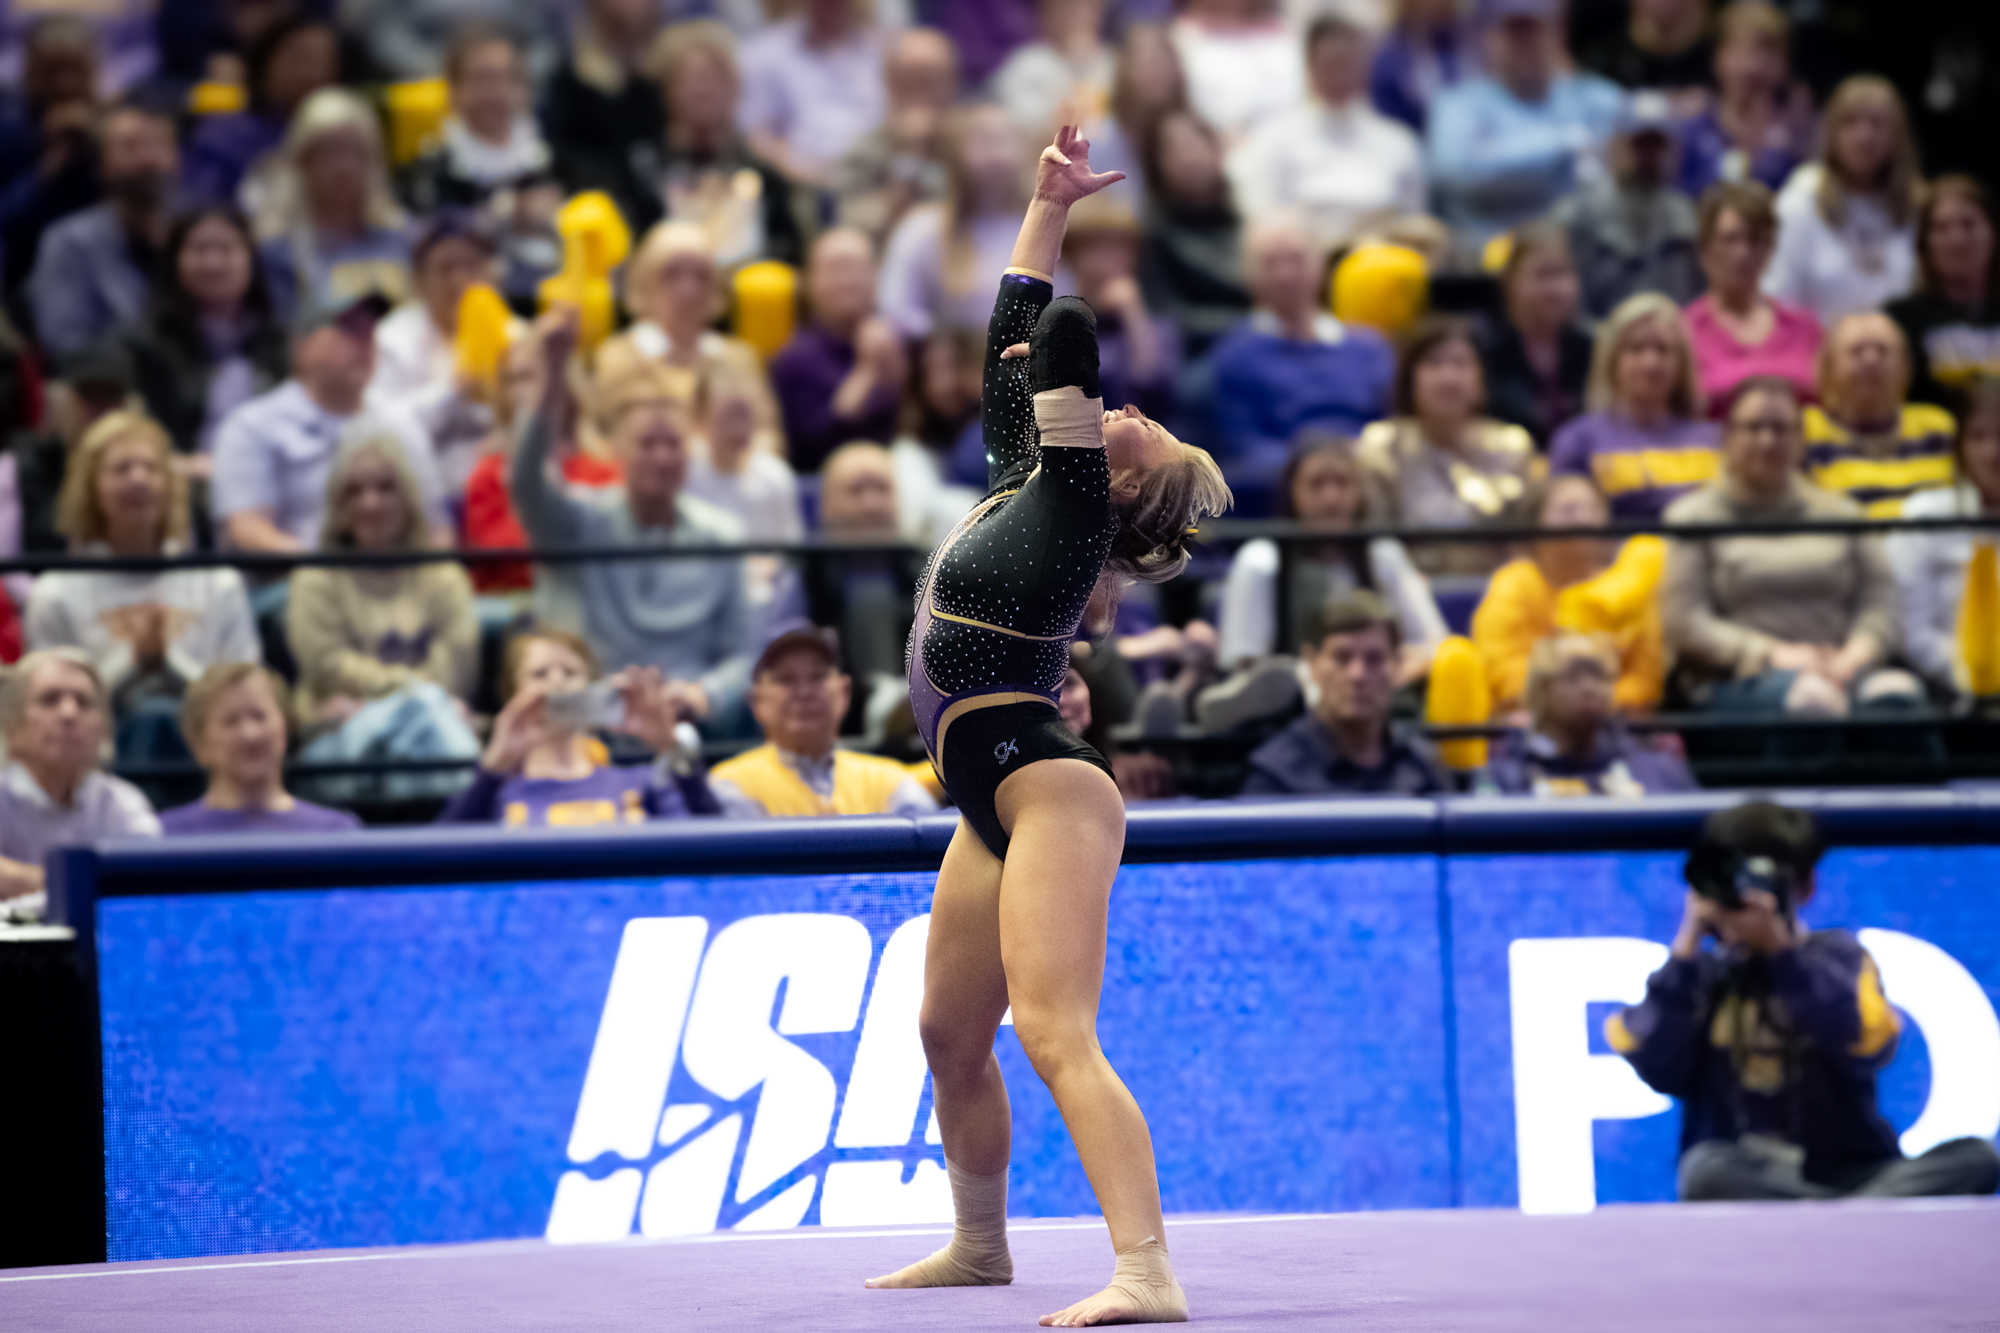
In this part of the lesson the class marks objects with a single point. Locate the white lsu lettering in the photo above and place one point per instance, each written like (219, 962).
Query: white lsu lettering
(669, 1003)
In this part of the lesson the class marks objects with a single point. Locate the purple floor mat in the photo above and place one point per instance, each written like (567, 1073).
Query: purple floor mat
(1769, 1267)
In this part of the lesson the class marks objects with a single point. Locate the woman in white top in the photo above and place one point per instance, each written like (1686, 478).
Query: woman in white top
(1242, 63)
(1064, 77)
(727, 471)
(1323, 486)
(148, 635)
(1930, 566)
(1847, 220)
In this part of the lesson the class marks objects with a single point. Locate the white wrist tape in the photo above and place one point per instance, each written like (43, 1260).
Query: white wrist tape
(1068, 420)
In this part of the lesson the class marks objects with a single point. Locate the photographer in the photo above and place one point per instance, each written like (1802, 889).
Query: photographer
(1772, 1039)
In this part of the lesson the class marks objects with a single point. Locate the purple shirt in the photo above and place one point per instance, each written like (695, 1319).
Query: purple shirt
(304, 817)
(1722, 363)
(1709, 155)
(1617, 765)
(1640, 470)
(610, 794)
(806, 373)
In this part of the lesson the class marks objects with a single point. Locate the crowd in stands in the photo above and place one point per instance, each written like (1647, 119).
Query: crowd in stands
(383, 279)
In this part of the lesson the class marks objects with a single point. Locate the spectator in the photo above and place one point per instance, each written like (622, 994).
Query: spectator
(1346, 745)
(1505, 145)
(1428, 50)
(942, 260)
(147, 635)
(1138, 352)
(1759, 125)
(1737, 332)
(901, 163)
(1537, 354)
(1930, 567)
(1575, 745)
(1794, 624)
(234, 721)
(704, 171)
(754, 486)
(1291, 365)
(52, 794)
(1664, 44)
(273, 454)
(841, 376)
(1191, 264)
(941, 415)
(799, 696)
(291, 60)
(414, 39)
(92, 268)
(1547, 591)
(1847, 220)
(489, 141)
(1777, 1107)
(542, 769)
(1323, 486)
(1631, 230)
(868, 597)
(812, 86)
(1863, 440)
(1332, 157)
(97, 383)
(687, 617)
(1060, 78)
(985, 32)
(1439, 462)
(599, 108)
(671, 283)
(386, 654)
(490, 520)
(1242, 65)
(416, 354)
(208, 341)
(1645, 441)
(333, 230)
(1952, 320)
(1147, 84)
(48, 160)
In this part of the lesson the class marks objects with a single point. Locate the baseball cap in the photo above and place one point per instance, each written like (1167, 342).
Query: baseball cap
(447, 224)
(811, 638)
(354, 315)
(1647, 112)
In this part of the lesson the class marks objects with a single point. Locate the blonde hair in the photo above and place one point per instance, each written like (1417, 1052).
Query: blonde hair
(661, 244)
(644, 385)
(334, 534)
(1601, 395)
(672, 44)
(957, 260)
(1904, 183)
(199, 701)
(79, 510)
(515, 656)
(1552, 655)
(326, 112)
(1154, 526)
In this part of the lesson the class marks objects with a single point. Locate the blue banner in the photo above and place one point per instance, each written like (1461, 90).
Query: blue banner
(590, 1059)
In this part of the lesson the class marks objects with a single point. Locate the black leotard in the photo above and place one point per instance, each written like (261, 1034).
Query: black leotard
(1007, 589)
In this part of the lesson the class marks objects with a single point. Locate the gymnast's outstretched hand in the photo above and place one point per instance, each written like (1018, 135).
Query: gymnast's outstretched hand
(1063, 175)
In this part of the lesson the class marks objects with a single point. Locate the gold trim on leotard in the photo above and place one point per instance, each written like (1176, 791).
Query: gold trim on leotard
(964, 706)
(999, 629)
(1031, 273)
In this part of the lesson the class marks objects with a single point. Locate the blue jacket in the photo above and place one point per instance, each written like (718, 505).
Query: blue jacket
(1302, 759)
(1497, 161)
(1810, 1082)
(1268, 387)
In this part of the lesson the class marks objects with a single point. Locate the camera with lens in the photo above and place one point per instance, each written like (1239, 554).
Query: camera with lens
(1758, 846)
(1723, 875)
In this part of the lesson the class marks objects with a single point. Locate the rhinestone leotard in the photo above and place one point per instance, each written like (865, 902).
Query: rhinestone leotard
(1007, 589)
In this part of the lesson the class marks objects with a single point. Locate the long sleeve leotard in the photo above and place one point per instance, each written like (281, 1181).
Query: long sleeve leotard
(1007, 589)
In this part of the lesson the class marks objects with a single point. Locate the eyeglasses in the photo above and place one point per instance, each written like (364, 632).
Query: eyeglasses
(1781, 427)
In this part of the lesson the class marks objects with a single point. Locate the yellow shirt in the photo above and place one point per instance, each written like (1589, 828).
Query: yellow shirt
(863, 784)
(1520, 608)
(1880, 471)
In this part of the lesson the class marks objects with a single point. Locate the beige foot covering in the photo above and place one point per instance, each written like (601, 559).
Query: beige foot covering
(1066, 418)
(1142, 1291)
(977, 1255)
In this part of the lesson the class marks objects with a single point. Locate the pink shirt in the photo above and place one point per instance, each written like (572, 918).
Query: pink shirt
(1722, 363)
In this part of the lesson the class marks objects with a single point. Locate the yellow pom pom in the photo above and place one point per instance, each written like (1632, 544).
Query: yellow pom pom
(1979, 623)
(416, 112)
(1459, 696)
(1384, 287)
(767, 304)
(485, 327)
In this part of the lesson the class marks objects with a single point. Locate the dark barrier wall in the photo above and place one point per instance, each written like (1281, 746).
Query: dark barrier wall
(439, 1036)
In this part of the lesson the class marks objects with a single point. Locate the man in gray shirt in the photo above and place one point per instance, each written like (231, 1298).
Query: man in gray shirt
(52, 713)
(688, 617)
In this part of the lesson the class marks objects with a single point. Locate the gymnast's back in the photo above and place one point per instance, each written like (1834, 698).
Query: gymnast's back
(1007, 589)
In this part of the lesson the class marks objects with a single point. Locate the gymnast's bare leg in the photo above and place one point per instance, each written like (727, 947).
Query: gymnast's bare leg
(1033, 929)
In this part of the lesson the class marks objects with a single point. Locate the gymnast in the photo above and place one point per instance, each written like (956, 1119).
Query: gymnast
(1082, 501)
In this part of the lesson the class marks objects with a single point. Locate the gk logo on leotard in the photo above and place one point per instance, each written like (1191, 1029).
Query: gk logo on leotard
(1004, 751)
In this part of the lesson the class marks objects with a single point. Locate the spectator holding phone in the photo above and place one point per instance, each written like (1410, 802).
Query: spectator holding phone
(1772, 1036)
(542, 768)
(234, 722)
